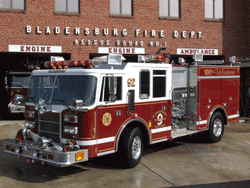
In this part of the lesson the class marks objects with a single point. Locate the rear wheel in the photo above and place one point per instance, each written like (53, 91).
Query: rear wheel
(131, 147)
(216, 128)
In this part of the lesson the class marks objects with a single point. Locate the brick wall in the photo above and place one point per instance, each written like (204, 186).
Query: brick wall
(95, 14)
(235, 29)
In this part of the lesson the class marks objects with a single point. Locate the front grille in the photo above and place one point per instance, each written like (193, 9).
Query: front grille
(49, 126)
(50, 117)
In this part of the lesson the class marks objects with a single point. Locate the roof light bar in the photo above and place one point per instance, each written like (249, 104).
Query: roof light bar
(151, 58)
(73, 63)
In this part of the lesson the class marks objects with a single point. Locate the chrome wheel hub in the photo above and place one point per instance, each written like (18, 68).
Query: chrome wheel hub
(217, 127)
(136, 147)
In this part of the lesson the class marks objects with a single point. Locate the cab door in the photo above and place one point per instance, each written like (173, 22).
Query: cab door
(110, 115)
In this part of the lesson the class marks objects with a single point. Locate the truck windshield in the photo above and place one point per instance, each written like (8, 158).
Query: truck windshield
(63, 89)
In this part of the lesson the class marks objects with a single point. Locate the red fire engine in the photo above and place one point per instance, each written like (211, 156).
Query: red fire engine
(77, 110)
(17, 83)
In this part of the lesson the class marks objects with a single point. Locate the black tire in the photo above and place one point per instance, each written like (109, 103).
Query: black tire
(216, 128)
(131, 147)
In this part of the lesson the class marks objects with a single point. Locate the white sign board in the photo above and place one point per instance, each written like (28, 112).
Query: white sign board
(35, 48)
(192, 51)
(120, 50)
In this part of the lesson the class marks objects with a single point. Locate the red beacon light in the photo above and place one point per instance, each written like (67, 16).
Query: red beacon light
(63, 63)
(79, 63)
(55, 63)
(48, 64)
(86, 62)
(71, 63)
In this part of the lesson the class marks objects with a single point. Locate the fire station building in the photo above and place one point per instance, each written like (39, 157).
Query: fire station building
(32, 31)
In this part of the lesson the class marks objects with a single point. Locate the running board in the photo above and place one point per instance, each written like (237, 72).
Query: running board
(184, 132)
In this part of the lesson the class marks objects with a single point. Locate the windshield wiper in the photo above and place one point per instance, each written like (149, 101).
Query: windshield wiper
(31, 98)
(63, 103)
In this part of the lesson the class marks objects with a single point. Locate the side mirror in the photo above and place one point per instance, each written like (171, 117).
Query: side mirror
(77, 103)
(112, 88)
(18, 99)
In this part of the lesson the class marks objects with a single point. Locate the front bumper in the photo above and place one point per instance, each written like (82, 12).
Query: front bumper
(30, 150)
(16, 108)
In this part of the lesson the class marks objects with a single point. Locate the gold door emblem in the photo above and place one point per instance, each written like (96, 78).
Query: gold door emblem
(106, 119)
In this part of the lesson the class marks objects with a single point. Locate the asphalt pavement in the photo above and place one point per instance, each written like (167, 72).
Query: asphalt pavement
(184, 162)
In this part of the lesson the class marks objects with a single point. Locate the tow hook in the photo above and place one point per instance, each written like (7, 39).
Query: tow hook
(65, 148)
(71, 146)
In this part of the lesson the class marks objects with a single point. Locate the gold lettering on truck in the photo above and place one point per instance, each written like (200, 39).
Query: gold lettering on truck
(219, 72)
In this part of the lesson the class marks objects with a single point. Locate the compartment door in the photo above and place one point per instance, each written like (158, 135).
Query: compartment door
(209, 96)
(230, 97)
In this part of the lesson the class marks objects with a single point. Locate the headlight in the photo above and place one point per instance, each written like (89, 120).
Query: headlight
(71, 130)
(30, 124)
(70, 118)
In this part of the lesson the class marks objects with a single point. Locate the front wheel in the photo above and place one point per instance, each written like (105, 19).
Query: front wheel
(131, 147)
(216, 128)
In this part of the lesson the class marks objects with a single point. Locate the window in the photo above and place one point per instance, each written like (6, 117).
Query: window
(159, 83)
(169, 8)
(214, 9)
(121, 7)
(144, 84)
(106, 89)
(68, 6)
(12, 4)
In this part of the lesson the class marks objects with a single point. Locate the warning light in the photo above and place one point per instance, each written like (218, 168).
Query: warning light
(72, 63)
(80, 156)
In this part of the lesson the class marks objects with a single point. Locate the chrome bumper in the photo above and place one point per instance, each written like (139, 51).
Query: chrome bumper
(30, 150)
(16, 108)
